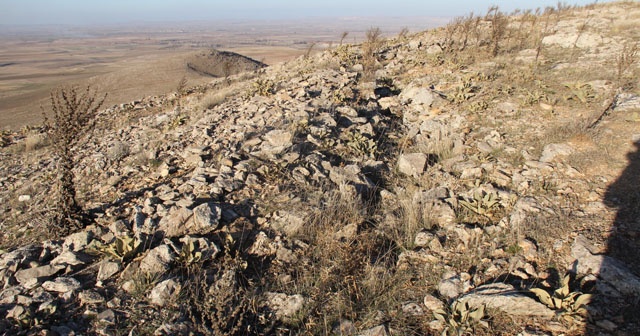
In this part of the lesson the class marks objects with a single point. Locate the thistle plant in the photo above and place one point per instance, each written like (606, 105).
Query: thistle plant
(74, 117)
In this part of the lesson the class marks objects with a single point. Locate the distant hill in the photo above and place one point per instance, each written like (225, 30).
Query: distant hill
(221, 63)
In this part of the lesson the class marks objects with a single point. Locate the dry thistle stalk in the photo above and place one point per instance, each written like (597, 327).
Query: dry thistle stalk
(369, 49)
(181, 89)
(625, 61)
(74, 116)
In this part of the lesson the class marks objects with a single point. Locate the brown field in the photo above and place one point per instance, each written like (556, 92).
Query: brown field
(133, 62)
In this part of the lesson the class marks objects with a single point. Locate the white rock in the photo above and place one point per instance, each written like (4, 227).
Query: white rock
(37, 273)
(174, 223)
(68, 258)
(412, 164)
(164, 292)
(77, 241)
(375, 331)
(285, 306)
(157, 260)
(62, 285)
(206, 218)
(451, 287)
(609, 270)
(552, 151)
(107, 269)
(432, 303)
(507, 299)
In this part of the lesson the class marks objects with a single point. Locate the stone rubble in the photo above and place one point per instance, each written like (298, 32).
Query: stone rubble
(173, 183)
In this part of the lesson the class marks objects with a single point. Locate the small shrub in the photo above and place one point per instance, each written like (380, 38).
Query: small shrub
(483, 205)
(34, 142)
(343, 36)
(361, 145)
(346, 55)
(580, 92)
(215, 98)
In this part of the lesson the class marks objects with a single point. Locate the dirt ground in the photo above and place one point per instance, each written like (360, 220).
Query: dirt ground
(131, 62)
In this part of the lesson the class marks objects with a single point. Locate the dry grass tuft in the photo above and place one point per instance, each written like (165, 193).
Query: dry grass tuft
(214, 98)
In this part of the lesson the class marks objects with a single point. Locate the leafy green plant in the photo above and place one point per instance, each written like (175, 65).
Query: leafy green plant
(478, 106)
(262, 87)
(361, 145)
(569, 304)
(176, 121)
(463, 92)
(189, 253)
(195, 251)
(123, 248)
(482, 203)
(580, 92)
(346, 55)
(460, 318)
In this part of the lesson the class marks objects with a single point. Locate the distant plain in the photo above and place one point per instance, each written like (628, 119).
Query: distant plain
(133, 61)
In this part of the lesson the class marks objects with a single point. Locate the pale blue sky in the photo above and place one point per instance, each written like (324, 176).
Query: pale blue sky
(125, 11)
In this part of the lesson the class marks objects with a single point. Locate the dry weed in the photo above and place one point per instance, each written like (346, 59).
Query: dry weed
(73, 119)
(370, 49)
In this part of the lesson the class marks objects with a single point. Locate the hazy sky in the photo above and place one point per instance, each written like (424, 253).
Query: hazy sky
(125, 11)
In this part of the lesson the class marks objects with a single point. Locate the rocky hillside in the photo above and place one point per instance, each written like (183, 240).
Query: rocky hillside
(221, 63)
(481, 178)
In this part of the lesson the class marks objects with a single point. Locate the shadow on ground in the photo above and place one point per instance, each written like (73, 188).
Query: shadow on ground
(620, 303)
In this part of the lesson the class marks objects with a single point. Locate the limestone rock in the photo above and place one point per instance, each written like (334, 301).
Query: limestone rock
(107, 270)
(77, 241)
(609, 270)
(90, 297)
(351, 175)
(375, 331)
(285, 306)
(277, 141)
(552, 151)
(175, 223)
(37, 273)
(157, 260)
(432, 303)
(288, 222)
(70, 258)
(107, 316)
(62, 285)
(206, 218)
(164, 292)
(412, 164)
(450, 287)
(529, 249)
(507, 299)
(20, 257)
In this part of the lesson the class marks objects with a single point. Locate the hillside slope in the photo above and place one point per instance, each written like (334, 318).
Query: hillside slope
(436, 182)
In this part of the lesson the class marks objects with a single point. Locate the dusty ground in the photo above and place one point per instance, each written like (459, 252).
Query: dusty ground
(127, 70)
(134, 62)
